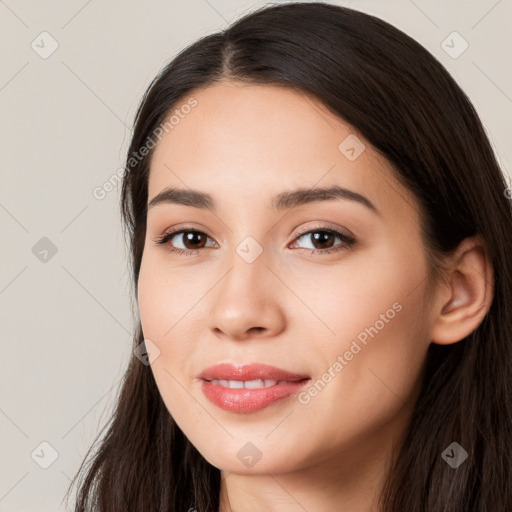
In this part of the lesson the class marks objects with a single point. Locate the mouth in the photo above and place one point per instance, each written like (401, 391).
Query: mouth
(248, 373)
(250, 388)
(250, 384)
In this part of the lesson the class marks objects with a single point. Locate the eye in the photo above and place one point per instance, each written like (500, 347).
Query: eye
(323, 237)
(191, 239)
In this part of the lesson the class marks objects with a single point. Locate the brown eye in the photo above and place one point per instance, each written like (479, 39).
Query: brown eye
(191, 240)
(323, 240)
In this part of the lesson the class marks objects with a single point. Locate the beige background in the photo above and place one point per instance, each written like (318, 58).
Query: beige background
(66, 324)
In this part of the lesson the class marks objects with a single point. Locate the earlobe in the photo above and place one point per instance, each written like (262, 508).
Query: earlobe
(468, 294)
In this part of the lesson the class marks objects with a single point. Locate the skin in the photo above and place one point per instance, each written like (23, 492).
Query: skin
(244, 144)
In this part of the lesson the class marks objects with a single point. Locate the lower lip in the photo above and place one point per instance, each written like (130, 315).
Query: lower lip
(249, 400)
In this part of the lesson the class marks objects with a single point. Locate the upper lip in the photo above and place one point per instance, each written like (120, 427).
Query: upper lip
(252, 371)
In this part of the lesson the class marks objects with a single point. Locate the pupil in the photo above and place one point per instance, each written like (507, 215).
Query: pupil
(322, 236)
(193, 238)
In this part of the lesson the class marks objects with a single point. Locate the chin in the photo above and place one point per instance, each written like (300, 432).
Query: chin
(247, 459)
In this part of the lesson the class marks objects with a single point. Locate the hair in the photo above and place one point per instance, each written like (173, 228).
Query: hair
(405, 103)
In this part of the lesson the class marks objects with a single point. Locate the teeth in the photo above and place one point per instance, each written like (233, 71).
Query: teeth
(248, 384)
(253, 384)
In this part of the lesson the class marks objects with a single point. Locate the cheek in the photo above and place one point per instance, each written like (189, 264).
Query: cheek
(157, 320)
(351, 296)
(370, 391)
(165, 299)
(373, 353)
(170, 321)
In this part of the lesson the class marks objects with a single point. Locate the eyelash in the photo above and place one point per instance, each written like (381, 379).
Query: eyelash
(347, 241)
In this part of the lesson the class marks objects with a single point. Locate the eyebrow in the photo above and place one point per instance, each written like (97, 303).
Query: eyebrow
(283, 201)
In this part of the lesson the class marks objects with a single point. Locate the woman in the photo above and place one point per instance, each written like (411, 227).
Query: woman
(320, 246)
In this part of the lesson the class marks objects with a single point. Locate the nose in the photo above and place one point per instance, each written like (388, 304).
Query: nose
(246, 303)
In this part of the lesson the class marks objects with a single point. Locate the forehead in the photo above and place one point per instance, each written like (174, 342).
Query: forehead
(264, 138)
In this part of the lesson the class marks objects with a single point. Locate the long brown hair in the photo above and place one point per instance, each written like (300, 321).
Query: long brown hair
(402, 100)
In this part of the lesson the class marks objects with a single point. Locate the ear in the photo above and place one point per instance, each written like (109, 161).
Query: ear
(466, 295)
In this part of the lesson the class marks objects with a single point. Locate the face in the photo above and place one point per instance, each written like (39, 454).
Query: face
(331, 289)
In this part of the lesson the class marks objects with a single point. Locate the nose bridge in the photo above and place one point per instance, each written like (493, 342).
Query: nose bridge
(245, 298)
(249, 255)
(247, 279)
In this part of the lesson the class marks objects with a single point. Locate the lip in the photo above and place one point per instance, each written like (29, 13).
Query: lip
(246, 400)
(252, 371)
